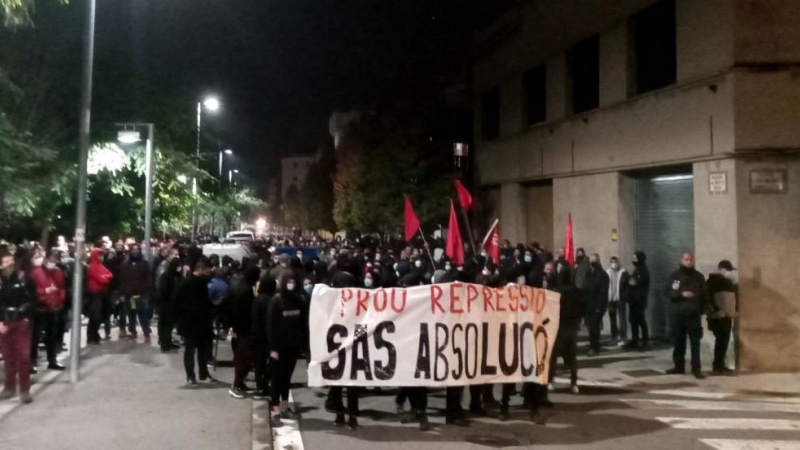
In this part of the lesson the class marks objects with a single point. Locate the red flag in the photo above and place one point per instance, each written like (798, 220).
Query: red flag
(569, 246)
(464, 197)
(455, 246)
(491, 243)
(412, 222)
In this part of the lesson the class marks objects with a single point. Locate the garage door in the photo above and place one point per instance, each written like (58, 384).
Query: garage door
(664, 224)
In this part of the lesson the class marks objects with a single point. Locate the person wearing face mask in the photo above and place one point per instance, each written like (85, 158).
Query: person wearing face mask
(288, 337)
(195, 320)
(98, 279)
(721, 289)
(17, 303)
(167, 281)
(637, 293)
(595, 290)
(51, 291)
(617, 293)
(135, 289)
(687, 304)
(267, 287)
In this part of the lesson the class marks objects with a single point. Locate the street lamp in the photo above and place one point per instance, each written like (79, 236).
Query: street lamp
(129, 137)
(230, 175)
(223, 152)
(213, 105)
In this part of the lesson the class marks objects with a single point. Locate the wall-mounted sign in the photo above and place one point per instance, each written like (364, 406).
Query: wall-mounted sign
(768, 182)
(718, 182)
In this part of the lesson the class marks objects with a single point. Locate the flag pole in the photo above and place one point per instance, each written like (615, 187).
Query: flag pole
(489, 233)
(427, 247)
(472, 242)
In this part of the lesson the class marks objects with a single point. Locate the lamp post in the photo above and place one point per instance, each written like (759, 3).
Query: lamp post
(80, 208)
(211, 104)
(128, 137)
(230, 175)
(221, 153)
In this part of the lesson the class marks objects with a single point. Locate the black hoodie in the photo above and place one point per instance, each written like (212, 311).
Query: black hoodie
(288, 323)
(259, 330)
(242, 296)
(639, 282)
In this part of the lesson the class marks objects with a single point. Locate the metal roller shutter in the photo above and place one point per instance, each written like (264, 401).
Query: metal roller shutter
(664, 226)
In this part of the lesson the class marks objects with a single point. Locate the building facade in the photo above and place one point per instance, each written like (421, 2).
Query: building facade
(294, 171)
(660, 126)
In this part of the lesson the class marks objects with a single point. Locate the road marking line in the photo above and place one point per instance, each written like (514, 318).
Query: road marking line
(262, 436)
(702, 405)
(288, 437)
(684, 423)
(724, 396)
(745, 444)
(588, 382)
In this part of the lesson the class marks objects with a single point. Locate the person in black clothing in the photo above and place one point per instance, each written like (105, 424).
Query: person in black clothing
(288, 332)
(595, 292)
(242, 296)
(687, 297)
(334, 403)
(167, 311)
(720, 321)
(195, 320)
(570, 316)
(637, 293)
(260, 337)
(18, 301)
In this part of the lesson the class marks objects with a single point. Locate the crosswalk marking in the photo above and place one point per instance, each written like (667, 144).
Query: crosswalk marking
(730, 424)
(747, 444)
(723, 396)
(288, 436)
(701, 405)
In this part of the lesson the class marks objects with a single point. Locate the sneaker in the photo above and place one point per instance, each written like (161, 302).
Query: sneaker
(352, 423)
(275, 421)
(676, 371)
(209, 379)
(55, 366)
(575, 389)
(7, 394)
(410, 417)
(339, 421)
(631, 346)
(290, 415)
(537, 418)
(400, 408)
(698, 374)
(25, 398)
(238, 393)
(260, 395)
(147, 339)
(133, 336)
(456, 420)
(191, 382)
(424, 425)
(551, 387)
(724, 371)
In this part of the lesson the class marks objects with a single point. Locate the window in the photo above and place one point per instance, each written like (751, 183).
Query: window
(654, 47)
(536, 95)
(584, 75)
(490, 114)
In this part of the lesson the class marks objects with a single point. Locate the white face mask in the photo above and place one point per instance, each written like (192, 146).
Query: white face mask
(368, 282)
(448, 267)
(38, 262)
(309, 288)
(486, 272)
(290, 286)
(50, 266)
(418, 263)
(615, 266)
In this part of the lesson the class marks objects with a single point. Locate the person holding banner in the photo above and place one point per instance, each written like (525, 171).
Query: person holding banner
(571, 314)
(288, 331)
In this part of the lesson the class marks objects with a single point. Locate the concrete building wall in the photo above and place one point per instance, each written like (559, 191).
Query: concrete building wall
(769, 240)
(767, 112)
(293, 172)
(766, 31)
(539, 214)
(704, 37)
(716, 230)
(593, 201)
(614, 80)
(512, 212)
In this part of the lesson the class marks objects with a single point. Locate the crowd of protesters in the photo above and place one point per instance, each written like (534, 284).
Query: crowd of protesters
(262, 304)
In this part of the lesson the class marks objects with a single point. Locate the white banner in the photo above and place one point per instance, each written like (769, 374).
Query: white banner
(439, 335)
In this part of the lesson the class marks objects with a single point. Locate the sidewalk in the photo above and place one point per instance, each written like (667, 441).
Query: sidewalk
(130, 396)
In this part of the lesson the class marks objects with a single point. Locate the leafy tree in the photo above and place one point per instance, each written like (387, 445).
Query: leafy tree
(17, 13)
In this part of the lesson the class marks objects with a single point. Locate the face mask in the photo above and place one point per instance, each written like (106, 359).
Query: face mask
(486, 272)
(333, 252)
(290, 287)
(378, 257)
(368, 282)
(299, 256)
(615, 266)
(528, 258)
(448, 267)
(309, 288)
(38, 262)
(50, 266)
(418, 263)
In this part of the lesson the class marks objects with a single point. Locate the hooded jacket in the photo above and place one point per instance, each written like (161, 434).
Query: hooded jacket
(44, 279)
(242, 296)
(134, 277)
(194, 308)
(259, 329)
(98, 277)
(287, 323)
(17, 292)
(595, 290)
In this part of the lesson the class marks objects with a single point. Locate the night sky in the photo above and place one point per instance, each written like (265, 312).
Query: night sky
(279, 67)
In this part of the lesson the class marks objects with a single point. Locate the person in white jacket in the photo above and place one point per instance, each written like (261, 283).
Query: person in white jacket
(618, 284)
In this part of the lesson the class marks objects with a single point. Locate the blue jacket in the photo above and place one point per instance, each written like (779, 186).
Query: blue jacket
(217, 290)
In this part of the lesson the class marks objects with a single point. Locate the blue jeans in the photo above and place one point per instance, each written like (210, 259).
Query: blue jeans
(141, 310)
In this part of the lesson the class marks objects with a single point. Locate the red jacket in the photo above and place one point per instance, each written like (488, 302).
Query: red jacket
(45, 279)
(98, 277)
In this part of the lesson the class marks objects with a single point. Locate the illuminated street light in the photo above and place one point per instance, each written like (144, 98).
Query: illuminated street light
(211, 103)
(221, 154)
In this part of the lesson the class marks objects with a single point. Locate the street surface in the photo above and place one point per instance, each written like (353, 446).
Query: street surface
(133, 397)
